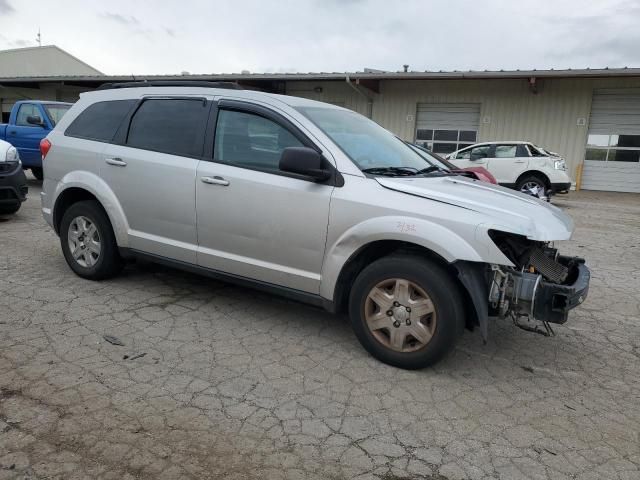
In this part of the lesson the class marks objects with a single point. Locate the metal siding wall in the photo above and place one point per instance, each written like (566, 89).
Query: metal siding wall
(513, 113)
(332, 92)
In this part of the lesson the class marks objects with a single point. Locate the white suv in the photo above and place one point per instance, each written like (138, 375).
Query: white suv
(307, 200)
(520, 165)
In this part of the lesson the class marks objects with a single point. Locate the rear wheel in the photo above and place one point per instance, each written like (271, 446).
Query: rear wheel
(531, 183)
(406, 311)
(88, 242)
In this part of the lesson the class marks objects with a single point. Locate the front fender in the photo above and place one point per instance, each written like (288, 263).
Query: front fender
(98, 188)
(424, 233)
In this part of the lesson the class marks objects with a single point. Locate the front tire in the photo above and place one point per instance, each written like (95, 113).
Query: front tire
(37, 172)
(406, 311)
(88, 242)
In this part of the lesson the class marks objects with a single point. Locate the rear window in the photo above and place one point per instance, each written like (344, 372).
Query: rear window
(174, 126)
(56, 112)
(100, 121)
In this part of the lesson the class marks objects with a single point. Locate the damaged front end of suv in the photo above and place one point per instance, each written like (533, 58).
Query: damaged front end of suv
(542, 286)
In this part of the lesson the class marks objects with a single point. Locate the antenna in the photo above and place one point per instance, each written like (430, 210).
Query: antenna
(39, 38)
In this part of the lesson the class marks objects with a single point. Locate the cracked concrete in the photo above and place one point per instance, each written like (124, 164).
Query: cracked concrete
(238, 384)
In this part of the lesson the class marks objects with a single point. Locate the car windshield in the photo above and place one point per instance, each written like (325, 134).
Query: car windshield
(56, 112)
(433, 158)
(372, 148)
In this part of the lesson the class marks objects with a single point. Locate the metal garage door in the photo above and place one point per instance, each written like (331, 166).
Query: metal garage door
(612, 160)
(446, 127)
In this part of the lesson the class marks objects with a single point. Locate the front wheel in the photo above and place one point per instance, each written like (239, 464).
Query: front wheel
(37, 172)
(88, 242)
(406, 311)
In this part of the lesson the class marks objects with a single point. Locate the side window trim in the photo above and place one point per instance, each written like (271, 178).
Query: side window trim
(281, 120)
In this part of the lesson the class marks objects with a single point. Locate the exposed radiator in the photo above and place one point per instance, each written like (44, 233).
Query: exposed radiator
(548, 267)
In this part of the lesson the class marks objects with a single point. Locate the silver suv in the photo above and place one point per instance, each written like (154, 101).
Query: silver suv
(307, 200)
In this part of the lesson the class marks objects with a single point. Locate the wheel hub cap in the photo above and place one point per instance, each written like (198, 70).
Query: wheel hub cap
(400, 315)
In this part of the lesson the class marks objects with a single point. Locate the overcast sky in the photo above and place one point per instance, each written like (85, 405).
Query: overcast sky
(222, 36)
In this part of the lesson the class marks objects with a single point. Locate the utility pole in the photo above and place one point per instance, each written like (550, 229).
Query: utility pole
(39, 38)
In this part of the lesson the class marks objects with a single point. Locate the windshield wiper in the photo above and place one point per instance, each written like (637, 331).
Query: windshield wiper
(391, 171)
(431, 169)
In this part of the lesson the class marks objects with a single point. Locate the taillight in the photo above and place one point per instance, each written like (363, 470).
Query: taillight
(45, 146)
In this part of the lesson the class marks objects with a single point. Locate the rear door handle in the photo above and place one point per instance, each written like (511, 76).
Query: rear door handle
(519, 161)
(215, 181)
(118, 162)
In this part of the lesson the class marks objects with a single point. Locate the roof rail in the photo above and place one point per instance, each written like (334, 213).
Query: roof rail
(170, 83)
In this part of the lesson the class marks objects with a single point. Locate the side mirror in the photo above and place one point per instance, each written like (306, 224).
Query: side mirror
(35, 120)
(304, 161)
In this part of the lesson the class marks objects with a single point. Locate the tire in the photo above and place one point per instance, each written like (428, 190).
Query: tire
(426, 281)
(97, 255)
(9, 210)
(531, 180)
(37, 172)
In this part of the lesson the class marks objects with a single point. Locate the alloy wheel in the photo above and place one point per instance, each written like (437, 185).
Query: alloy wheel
(84, 241)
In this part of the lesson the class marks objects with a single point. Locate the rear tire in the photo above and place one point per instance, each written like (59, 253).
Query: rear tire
(531, 180)
(406, 311)
(88, 242)
(37, 172)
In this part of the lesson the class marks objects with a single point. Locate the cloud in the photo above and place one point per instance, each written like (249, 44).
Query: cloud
(121, 19)
(169, 31)
(6, 8)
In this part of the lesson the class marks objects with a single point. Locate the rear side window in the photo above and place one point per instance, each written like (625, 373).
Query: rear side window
(505, 151)
(175, 126)
(100, 121)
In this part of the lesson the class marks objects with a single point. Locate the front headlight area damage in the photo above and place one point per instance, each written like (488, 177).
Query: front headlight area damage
(540, 288)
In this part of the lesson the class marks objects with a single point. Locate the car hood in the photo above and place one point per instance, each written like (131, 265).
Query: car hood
(507, 209)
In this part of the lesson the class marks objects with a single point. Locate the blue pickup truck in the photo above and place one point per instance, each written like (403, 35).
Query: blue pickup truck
(30, 121)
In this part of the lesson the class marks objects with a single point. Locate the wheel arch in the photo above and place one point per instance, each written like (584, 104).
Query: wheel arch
(375, 250)
(80, 186)
(534, 173)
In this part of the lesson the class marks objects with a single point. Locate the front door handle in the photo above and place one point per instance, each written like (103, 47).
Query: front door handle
(118, 162)
(215, 181)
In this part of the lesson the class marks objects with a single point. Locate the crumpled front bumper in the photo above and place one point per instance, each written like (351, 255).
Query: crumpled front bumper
(552, 302)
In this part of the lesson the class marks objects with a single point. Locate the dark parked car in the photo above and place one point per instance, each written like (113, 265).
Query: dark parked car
(13, 183)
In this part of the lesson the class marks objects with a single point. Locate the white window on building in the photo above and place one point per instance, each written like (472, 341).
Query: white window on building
(446, 127)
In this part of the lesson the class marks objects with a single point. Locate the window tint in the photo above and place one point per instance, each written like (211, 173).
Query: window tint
(100, 121)
(174, 126)
(464, 155)
(505, 151)
(251, 141)
(535, 151)
(27, 110)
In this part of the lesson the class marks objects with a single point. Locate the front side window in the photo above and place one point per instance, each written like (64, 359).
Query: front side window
(175, 126)
(505, 151)
(483, 151)
(25, 111)
(100, 121)
(251, 141)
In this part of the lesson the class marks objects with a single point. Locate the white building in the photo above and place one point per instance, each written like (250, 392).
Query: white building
(591, 117)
